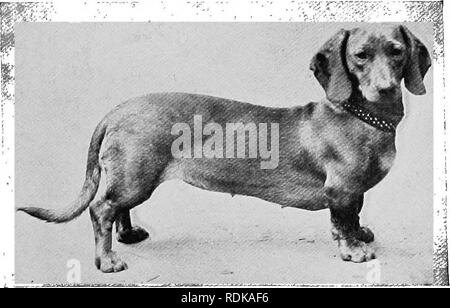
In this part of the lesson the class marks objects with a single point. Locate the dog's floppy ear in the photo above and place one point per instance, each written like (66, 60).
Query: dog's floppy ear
(330, 69)
(417, 64)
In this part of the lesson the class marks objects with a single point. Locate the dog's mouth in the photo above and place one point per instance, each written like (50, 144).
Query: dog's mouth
(380, 96)
(386, 105)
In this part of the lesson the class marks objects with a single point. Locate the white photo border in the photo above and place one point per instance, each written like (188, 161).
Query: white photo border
(224, 11)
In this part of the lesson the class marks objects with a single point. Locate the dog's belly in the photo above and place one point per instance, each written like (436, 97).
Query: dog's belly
(285, 187)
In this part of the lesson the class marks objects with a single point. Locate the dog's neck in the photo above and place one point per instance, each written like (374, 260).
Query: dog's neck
(384, 115)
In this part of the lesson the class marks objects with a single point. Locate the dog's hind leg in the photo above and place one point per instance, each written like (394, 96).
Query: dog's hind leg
(132, 166)
(126, 233)
(115, 207)
(103, 214)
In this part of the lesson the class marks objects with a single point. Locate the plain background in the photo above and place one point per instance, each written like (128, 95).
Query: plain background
(68, 76)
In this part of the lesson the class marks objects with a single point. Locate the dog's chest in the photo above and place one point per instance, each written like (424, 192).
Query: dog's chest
(385, 161)
(379, 162)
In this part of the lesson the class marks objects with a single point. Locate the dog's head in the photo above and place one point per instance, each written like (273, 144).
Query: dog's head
(373, 61)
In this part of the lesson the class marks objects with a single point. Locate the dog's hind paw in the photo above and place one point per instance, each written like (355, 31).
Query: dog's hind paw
(132, 236)
(365, 234)
(110, 263)
(356, 251)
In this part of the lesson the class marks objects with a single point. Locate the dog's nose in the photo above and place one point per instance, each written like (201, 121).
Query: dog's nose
(385, 85)
(383, 78)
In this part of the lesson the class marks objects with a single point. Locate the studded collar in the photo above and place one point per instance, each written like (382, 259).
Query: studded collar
(368, 117)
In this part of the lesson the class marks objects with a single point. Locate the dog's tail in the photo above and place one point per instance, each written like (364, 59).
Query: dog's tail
(88, 191)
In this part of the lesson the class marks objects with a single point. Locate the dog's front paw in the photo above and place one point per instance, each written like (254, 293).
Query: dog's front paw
(110, 263)
(365, 234)
(356, 251)
(132, 236)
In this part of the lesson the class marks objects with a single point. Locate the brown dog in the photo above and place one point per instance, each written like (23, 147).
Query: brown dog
(330, 153)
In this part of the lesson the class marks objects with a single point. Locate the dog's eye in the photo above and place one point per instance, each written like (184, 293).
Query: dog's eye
(361, 55)
(396, 51)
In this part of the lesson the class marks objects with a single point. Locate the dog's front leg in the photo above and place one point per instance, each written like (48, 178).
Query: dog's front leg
(364, 234)
(352, 238)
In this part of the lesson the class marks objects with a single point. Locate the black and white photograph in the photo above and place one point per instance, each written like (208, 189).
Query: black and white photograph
(216, 147)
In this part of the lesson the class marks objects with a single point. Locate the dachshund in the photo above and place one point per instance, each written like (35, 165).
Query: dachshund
(330, 152)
